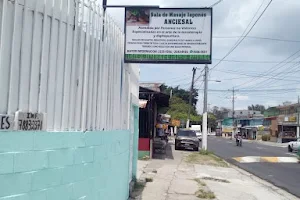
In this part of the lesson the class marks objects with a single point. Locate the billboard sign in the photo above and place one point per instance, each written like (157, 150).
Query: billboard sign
(164, 35)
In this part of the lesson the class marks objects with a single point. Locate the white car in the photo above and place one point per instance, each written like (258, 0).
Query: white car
(294, 145)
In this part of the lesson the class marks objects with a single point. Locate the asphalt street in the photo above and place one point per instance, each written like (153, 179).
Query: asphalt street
(283, 175)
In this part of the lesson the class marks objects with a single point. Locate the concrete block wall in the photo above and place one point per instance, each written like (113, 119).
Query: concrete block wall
(64, 165)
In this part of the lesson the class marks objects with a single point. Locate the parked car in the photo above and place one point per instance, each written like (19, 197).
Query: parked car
(186, 139)
(294, 145)
(199, 135)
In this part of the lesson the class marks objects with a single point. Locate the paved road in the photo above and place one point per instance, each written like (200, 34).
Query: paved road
(283, 175)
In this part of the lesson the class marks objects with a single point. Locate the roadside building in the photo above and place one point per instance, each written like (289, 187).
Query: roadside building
(239, 114)
(151, 100)
(219, 128)
(249, 127)
(270, 126)
(69, 104)
(227, 127)
(247, 122)
(271, 112)
(287, 122)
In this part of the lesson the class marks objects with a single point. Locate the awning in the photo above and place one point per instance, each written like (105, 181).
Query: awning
(143, 103)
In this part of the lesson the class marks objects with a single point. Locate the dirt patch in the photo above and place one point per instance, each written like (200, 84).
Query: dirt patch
(139, 185)
(149, 179)
(205, 158)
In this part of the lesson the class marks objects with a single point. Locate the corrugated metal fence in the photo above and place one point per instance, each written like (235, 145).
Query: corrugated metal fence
(63, 58)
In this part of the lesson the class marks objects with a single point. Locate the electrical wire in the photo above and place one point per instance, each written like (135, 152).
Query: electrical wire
(255, 37)
(273, 77)
(251, 62)
(255, 76)
(243, 36)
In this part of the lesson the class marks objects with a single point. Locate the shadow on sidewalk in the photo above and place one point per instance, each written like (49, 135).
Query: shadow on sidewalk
(137, 190)
(163, 156)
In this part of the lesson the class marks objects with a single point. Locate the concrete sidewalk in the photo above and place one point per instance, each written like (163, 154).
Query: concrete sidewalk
(175, 179)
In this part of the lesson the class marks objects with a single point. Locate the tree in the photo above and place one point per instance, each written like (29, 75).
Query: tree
(179, 104)
(257, 107)
(181, 93)
(219, 113)
(212, 121)
(178, 109)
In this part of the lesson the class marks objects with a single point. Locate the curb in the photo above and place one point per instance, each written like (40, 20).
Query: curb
(257, 159)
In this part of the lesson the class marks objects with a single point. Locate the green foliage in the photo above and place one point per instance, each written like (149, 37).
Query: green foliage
(179, 106)
(181, 93)
(219, 112)
(257, 107)
(179, 109)
(266, 137)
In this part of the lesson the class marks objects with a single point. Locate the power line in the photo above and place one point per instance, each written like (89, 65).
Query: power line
(270, 80)
(260, 90)
(255, 76)
(273, 77)
(250, 61)
(243, 36)
(255, 37)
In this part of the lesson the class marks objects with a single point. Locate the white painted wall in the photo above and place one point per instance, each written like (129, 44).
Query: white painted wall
(56, 58)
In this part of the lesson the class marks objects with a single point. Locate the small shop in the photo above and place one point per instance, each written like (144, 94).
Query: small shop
(150, 102)
(227, 131)
(287, 129)
(249, 132)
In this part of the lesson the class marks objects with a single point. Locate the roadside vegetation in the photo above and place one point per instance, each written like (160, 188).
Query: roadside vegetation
(205, 158)
(198, 180)
(266, 137)
(145, 158)
(203, 192)
(216, 179)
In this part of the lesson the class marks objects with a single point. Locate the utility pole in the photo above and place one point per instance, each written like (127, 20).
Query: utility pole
(190, 100)
(104, 4)
(298, 127)
(233, 130)
(204, 118)
(233, 121)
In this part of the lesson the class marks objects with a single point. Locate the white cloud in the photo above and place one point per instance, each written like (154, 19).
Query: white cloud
(231, 17)
(242, 98)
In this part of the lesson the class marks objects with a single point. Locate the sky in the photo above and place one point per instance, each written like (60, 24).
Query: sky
(264, 68)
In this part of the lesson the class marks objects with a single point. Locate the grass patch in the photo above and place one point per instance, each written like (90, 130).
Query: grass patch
(145, 158)
(216, 179)
(149, 179)
(202, 194)
(200, 182)
(204, 157)
(205, 152)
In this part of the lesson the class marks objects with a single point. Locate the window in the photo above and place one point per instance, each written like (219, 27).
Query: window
(187, 133)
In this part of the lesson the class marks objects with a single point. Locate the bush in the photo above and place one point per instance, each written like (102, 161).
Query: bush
(266, 137)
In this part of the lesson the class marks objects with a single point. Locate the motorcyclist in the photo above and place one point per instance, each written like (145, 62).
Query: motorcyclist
(238, 138)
